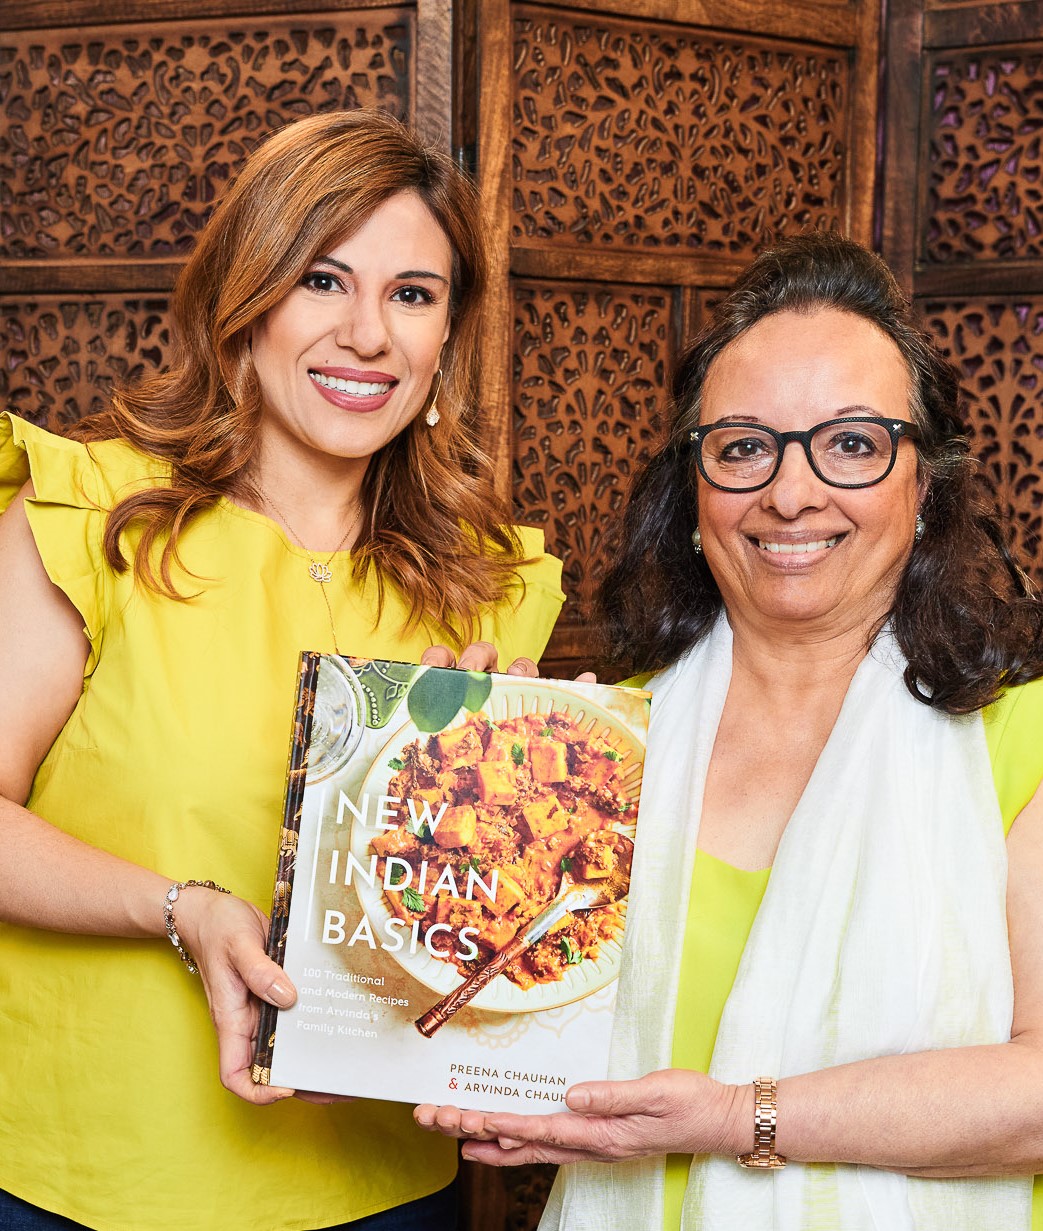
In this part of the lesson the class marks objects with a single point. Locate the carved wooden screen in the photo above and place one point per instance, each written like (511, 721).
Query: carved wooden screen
(635, 155)
(962, 221)
(121, 127)
(638, 154)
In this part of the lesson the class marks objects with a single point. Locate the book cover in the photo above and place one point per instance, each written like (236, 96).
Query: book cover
(450, 897)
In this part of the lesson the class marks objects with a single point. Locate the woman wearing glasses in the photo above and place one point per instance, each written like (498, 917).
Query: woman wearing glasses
(842, 793)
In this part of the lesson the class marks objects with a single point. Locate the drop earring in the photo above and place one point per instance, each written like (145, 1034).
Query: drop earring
(432, 416)
(697, 541)
(921, 526)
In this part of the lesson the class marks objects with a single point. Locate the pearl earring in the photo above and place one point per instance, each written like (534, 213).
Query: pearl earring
(921, 526)
(432, 416)
(697, 540)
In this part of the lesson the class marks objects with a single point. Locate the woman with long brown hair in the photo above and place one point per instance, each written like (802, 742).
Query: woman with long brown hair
(307, 474)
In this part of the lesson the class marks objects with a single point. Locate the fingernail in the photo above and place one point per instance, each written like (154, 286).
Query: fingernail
(578, 1099)
(280, 994)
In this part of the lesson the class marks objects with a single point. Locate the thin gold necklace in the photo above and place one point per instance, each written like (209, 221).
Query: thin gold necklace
(318, 570)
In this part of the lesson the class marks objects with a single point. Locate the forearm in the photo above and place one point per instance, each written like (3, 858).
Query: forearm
(959, 1112)
(51, 880)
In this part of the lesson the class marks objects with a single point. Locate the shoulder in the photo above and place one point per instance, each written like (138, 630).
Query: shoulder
(521, 622)
(70, 487)
(642, 680)
(537, 566)
(71, 473)
(1014, 734)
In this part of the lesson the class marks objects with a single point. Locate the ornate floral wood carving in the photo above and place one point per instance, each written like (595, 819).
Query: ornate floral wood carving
(998, 347)
(985, 155)
(665, 137)
(119, 139)
(61, 354)
(590, 366)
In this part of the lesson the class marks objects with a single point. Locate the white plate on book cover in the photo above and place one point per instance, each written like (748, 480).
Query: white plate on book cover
(509, 699)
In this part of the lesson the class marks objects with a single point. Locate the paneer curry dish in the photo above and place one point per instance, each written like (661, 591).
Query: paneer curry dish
(511, 807)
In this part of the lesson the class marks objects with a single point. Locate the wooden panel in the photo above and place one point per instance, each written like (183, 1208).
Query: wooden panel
(962, 220)
(983, 164)
(998, 346)
(62, 355)
(675, 268)
(120, 138)
(492, 60)
(590, 365)
(35, 14)
(670, 139)
(435, 72)
(827, 21)
(958, 24)
(895, 234)
(504, 1198)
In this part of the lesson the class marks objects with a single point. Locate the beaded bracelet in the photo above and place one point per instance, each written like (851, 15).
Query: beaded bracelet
(173, 893)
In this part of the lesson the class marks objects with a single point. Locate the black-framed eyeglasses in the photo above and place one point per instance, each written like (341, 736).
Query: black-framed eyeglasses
(856, 451)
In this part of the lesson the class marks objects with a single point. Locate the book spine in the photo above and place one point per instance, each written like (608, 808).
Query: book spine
(297, 768)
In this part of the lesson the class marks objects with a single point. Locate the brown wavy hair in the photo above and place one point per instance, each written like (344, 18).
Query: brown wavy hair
(432, 525)
(965, 615)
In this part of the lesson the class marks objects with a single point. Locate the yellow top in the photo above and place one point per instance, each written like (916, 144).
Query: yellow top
(724, 902)
(111, 1112)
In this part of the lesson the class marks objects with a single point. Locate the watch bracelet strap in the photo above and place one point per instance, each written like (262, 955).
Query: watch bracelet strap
(765, 1118)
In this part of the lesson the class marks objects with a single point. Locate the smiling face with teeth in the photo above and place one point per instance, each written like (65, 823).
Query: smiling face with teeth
(799, 549)
(346, 360)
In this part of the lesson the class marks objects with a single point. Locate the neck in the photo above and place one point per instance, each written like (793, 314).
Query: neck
(798, 659)
(318, 504)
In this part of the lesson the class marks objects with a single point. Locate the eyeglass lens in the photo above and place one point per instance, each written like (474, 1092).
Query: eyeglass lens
(745, 456)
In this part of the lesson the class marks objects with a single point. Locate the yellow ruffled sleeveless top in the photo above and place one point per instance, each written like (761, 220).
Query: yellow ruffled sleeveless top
(111, 1112)
(724, 902)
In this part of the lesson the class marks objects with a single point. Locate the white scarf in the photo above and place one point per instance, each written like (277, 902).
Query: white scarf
(882, 931)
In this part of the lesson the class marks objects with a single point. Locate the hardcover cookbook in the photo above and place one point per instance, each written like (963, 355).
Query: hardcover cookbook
(453, 871)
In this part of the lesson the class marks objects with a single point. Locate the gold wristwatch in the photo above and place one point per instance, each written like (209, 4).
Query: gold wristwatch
(765, 1117)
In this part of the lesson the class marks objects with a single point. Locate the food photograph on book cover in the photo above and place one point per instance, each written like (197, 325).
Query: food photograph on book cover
(451, 898)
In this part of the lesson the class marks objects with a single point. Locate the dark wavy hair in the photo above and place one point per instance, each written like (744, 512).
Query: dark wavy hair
(967, 618)
(433, 525)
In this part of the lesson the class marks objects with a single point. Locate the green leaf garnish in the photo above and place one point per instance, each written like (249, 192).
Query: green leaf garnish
(613, 755)
(396, 763)
(566, 864)
(412, 900)
(397, 876)
(547, 731)
(517, 754)
(573, 956)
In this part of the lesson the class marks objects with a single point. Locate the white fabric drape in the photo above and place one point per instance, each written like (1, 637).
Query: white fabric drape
(882, 931)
